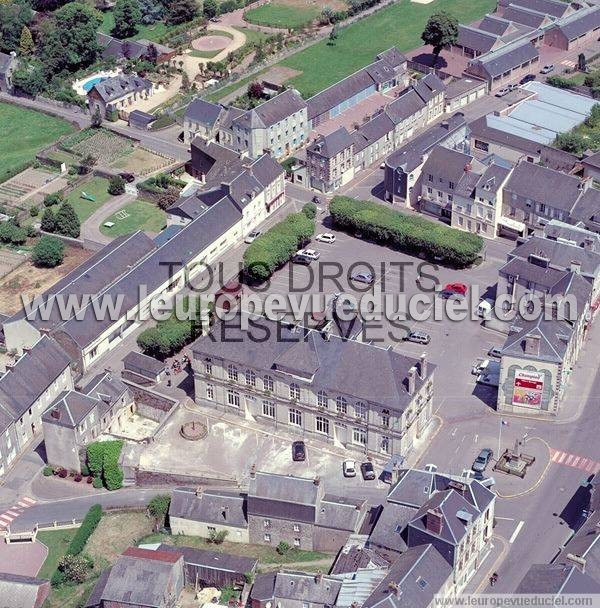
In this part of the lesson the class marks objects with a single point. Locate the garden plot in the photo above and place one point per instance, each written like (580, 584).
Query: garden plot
(105, 146)
(14, 191)
(142, 162)
(9, 260)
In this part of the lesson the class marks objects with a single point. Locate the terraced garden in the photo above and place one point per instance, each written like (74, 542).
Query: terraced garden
(104, 145)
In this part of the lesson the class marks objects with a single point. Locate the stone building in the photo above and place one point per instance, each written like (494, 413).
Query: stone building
(366, 398)
(118, 94)
(330, 160)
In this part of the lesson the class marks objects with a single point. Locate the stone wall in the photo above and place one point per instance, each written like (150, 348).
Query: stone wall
(280, 530)
(163, 478)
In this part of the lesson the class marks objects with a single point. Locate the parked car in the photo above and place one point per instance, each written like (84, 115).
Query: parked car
(367, 470)
(418, 336)
(316, 200)
(382, 165)
(502, 92)
(457, 288)
(302, 259)
(349, 468)
(547, 69)
(298, 451)
(230, 294)
(325, 237)
(479, 366)
(527, 78)
(309, 253)
(128, 177)
(252, 236)
(481, 462)
(495, 351)
(512, 87)
(363, 277)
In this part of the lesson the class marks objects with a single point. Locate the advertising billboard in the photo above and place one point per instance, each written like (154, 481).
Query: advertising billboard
(528, 388)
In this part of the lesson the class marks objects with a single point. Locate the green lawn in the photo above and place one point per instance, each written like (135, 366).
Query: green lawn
(282, 15)
(98, 187)
(142, 215)
(400, 25)
(234, 86)
(23, 134)
(57, 542)
(151, 32)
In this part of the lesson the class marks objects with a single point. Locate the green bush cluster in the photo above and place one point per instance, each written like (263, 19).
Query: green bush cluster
(411, 234)
(88, 525)
(48, 252)
(275, 247)
(103, 463)
(560, 82)
(170, 336)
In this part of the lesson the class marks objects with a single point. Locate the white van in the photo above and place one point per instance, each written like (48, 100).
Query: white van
(484, 309)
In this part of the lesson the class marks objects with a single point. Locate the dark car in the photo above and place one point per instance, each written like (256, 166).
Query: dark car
(128, 177)
(316, 200)
(482, 461)
(367, 471)
(298, 451)
(527, 78)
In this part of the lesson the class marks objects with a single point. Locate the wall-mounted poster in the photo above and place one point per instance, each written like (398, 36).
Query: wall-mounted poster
(528, 388)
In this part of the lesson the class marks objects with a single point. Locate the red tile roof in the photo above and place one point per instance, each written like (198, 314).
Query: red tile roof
(159, 556)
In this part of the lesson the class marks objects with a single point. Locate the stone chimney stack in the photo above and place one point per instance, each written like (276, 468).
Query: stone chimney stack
(575, 267)
(434, 521)
(199, 491)
(412, 380)
(588, 243)
(532, 345)
(423, 366)
(253, 471)
(317, 480)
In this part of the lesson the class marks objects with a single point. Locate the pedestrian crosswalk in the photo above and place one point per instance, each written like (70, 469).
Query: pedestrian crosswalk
(568, 63)
(17, 509)
(572, 460)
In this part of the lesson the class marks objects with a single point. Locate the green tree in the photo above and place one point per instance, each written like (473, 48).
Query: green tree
(116, 185)
(333, 34)
(127, 18)
(217, 538)
(181, 11)
(74, 567)
(283, 548)
(48, 252)
(581, 62)
(69, 39)
(158, 508)
(86, 164)
(13, 17)
(26, 45)
(593, 120)
(29, 78)
(67, 222)
(571, 142)
(441, 30)
(210, 8)
(48, 223)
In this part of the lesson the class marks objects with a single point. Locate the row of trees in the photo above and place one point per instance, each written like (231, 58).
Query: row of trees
(64, 221)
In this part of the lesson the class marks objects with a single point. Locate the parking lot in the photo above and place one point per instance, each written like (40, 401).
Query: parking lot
(395, 274)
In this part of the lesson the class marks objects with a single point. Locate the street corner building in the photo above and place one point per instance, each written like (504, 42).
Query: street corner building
(316, 385)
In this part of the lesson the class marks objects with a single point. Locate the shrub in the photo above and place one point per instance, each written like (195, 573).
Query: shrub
(103, 463)
(310, 210)
(74, 567)
(414, 235)
(85, 471)
(34, 211)
(48, 471)
(66, 221)
(95, 454)
(48, 252)
(77, 478)
(113, 477)
(12, 234)
(97, 482)
(116, 185)
(88, 525)
(275, 247)
(158, 507)
(560, 82)
(217, 538)
(90, 479)
(63, 473)
(283, 548)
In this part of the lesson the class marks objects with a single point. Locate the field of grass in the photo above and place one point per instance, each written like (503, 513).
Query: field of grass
(98, 187)
(57, 542)
(264, 554)
(149, 32)
(141, 215)
(400, 25)
(252, 36)
(24, 134)
(284, 15)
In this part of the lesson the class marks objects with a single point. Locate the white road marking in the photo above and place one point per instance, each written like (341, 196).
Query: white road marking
(506, 518)
(516, 532)
(476, 438)
(454, 431)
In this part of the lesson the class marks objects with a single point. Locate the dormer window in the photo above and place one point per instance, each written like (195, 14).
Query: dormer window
(232, 373)
(294, 391)
(341, 405)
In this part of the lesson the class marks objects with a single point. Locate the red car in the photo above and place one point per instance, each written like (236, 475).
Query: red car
(453, 289)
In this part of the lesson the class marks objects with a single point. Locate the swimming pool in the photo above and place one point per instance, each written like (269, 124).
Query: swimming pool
(91, 82)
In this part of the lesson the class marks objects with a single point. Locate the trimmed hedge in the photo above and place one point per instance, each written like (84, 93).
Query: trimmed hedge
(408, 233)
(275, 247)
(89, 524)
(103, 462)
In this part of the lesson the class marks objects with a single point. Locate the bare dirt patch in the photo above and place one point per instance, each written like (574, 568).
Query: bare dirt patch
(116, 532)
(142, 162)
(211, 43)
(278, 74)
(29, 281)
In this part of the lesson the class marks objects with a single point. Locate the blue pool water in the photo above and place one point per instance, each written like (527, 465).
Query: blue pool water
(92, 81)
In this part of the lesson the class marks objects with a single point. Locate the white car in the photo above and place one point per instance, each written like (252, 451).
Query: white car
(252, 236)
(309, 253)
(326, 237)
(349, 468)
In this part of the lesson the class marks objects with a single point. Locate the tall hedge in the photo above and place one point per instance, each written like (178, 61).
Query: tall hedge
(103, 461)
(277, 245)
(408, 233)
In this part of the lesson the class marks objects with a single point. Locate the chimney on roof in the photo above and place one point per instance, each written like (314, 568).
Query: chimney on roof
(317, 480)
(394, 588)
(575, 267)
(225, 512)
(199, 491)
(318, 576)
(10, 366)
(532, 344)
(423, 366)
(434, 521)
(26, 349)
(55, 413)
(412, 380)
(588, 243)
(577, 560)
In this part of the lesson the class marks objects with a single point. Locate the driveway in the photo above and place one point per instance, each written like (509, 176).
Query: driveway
(90, 229)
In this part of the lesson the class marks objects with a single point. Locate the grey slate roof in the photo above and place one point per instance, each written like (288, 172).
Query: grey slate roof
(478, 40)
(525, 16)
(130, 49)
(209, 507)
(543, 184)
(495, 25)
(340, 513)
(557, 579)
(69, 409)
(352, 558)
(107, 388)
(317, 590)
(118, 86)
(580, 22)
(18, 591)
(139, 362)
(577, 235)
(587, 209)
(446, 163)
(31, 376)
(410, 156)
(390, 530)
(556, 8)
(272, 111)
(507, 58)
(332, 144)
(342, 366)
(372, 131)
(203, 112)
(213, 560)
(412, 581)
(526, 271)
(284, 488)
